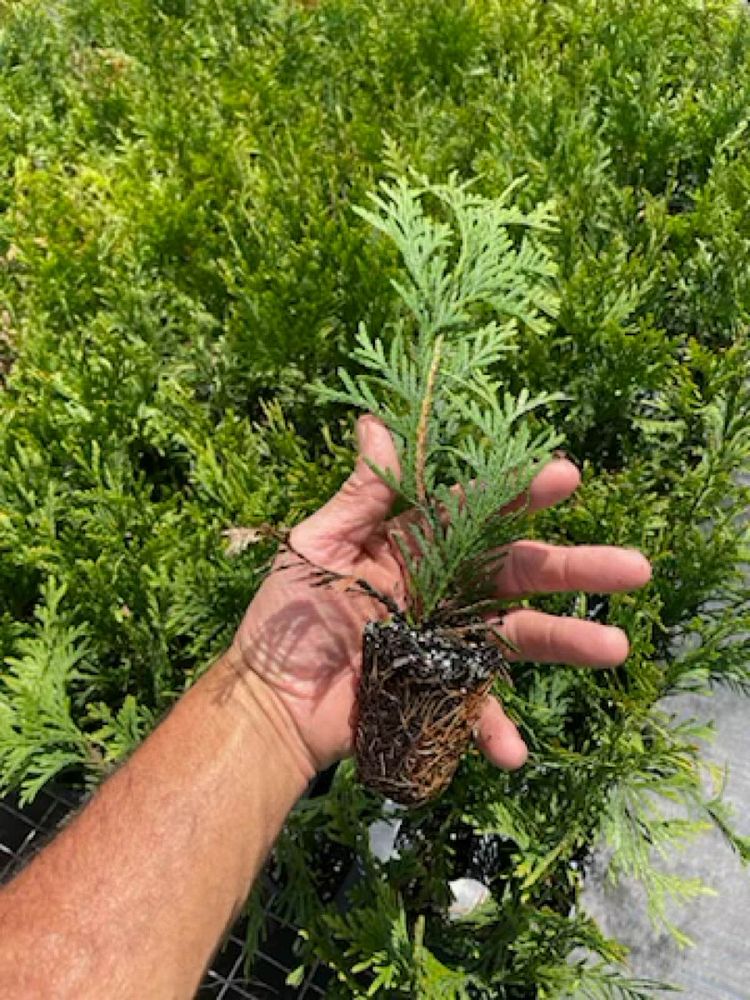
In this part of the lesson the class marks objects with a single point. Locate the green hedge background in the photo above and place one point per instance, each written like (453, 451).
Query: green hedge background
(179, 260)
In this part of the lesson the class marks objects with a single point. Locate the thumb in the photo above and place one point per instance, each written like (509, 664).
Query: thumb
(363, 502)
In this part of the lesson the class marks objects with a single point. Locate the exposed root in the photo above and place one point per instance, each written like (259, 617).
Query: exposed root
(340, 581)
(420, 697)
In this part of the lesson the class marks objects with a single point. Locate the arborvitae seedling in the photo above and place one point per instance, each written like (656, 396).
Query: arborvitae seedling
(474, 271)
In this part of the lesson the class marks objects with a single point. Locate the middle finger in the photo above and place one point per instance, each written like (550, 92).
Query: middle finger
(530, 567)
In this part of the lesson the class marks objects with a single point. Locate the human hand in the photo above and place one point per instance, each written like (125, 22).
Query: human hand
(305, 642)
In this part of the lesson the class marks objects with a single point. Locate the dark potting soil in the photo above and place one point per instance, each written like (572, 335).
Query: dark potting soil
(482, 856)
(420, 695)
(433, 654)
(335, 869)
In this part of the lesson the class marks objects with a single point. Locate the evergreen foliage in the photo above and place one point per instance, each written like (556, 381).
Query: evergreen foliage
(464, 448)
(180, 261)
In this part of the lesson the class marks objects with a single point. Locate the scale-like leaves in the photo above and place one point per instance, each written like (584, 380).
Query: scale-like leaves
(39, 737)
(476, 273)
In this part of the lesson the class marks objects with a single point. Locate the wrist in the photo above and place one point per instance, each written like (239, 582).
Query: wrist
(262, 714)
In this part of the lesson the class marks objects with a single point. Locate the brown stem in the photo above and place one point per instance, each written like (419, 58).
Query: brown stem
(424, 416)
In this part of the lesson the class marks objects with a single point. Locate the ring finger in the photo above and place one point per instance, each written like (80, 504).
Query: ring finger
(547, 638)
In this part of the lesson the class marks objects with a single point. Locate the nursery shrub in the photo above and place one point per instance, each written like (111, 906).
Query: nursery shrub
(180, 261)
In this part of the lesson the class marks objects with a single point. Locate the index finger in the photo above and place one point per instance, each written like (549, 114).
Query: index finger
(555, 482)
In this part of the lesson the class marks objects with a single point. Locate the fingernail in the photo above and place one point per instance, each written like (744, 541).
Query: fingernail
(362, 433)
(638, 562)
(561, 455)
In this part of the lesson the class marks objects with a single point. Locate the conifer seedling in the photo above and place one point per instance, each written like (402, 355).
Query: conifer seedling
(475, 276)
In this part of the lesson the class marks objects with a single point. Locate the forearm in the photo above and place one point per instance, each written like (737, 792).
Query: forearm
(136, 892)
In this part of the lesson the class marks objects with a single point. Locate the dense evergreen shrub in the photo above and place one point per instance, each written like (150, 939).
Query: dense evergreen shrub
(179, 261)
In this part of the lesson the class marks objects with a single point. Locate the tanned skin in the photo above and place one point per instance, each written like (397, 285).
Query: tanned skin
(131, 899)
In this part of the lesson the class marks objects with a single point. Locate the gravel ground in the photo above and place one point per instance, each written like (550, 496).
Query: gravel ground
(717, 967)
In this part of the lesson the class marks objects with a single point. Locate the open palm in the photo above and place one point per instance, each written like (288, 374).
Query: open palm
(306, 641)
